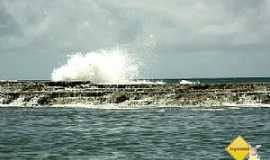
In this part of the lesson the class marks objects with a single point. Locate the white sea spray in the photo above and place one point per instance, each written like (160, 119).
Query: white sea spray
(113, 65)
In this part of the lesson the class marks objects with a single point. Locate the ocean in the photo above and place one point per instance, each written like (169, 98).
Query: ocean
(161, 133)
(217, 80)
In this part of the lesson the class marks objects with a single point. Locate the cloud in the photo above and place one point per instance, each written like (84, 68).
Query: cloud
(81, 24)
(175, 26)
(69, 24)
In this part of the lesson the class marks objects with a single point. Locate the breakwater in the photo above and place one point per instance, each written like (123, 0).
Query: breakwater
(51, 93)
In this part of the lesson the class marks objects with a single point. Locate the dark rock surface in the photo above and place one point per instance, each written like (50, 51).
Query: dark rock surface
(47, 93)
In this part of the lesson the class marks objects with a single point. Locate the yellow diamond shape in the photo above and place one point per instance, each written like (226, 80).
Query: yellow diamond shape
(238, 148)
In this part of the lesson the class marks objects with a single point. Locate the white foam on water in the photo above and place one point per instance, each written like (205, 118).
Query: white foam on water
(189, 82)
(145, 82)
(19, 103)
(114, 65)
(105, 107)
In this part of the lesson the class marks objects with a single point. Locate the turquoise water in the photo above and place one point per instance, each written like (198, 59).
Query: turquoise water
(164, 133)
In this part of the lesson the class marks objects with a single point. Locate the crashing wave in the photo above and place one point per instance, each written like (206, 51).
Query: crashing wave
(112, 65)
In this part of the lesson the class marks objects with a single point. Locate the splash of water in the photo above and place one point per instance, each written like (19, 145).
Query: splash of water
(112, 65)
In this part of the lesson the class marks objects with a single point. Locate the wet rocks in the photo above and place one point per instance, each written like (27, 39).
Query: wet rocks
(83, 92)
(121, 98)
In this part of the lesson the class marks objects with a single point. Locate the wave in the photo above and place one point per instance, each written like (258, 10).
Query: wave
(114, 65)
(135, 107)
(189, 82)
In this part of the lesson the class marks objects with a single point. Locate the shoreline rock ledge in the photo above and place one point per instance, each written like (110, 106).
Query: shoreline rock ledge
(51, 93)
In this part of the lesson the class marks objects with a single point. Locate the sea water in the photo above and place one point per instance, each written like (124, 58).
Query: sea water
(149, 133)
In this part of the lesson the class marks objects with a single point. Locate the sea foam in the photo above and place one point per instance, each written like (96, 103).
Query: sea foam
(114, 65)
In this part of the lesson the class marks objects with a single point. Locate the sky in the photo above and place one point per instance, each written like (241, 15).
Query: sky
(172, 39)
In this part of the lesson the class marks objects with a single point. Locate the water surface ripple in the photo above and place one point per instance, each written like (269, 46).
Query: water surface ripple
(164, 133)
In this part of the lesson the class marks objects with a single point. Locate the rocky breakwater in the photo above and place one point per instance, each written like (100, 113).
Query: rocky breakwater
(50, 93)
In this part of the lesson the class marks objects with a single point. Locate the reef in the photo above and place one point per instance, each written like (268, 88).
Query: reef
(62, 93)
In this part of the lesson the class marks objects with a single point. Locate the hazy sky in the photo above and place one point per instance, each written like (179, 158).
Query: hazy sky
(173, 38)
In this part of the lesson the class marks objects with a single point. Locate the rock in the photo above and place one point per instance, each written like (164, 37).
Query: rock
(83, 92)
